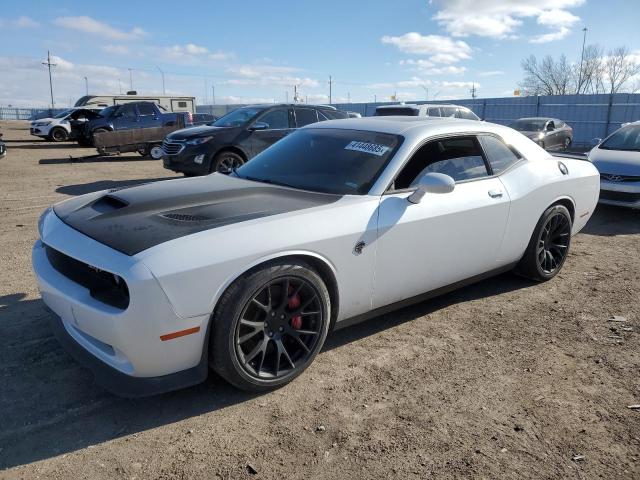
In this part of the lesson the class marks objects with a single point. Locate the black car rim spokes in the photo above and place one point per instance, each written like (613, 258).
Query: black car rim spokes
(553, 243)
(279, 328)
(229, 164)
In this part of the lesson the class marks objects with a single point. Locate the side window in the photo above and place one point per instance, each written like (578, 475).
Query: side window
(499, 155)
(433, 112)
(182, 104)
(448, 111)
(276, 119)
(128, 111)
(466, 114)
(459, 157)
(146, 109)
(305, 116)
(551, 125)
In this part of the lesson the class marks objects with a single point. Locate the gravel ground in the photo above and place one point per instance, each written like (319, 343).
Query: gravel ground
(502, 379)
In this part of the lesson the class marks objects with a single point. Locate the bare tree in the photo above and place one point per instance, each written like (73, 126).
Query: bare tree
(619, 67)
(588, 73)
(549, 77)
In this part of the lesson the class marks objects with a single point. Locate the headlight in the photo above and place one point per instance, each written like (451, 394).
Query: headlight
(540, 136)
(41, 220)
(198, 141)
(42, 124)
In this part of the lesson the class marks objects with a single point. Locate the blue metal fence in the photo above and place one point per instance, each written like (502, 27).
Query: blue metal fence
(12, 113)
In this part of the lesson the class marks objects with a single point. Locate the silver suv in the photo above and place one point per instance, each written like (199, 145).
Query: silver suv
(428, 110)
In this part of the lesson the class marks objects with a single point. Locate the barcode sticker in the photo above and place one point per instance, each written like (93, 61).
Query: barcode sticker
(372, 148)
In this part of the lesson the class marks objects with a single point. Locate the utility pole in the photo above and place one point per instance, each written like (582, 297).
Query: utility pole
(86, 85)
(287, 94)
(349, 97)
(213, 94)
(584, 39)
(120, 86)
(49, 65)
(330, 85)
(473, 91)
(162, 73)
(130, 78)
(375, 98)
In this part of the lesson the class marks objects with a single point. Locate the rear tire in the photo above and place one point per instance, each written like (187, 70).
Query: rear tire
(549, 245)
(566, 144)
(269, 326)
(226, 162)
(58, 134)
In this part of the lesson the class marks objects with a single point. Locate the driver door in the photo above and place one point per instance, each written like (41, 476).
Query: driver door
(279, 124)
(447, 237)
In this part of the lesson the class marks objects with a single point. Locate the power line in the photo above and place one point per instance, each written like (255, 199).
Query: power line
(49, 65)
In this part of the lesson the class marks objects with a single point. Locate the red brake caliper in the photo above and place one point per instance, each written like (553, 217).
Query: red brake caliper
(296, 321)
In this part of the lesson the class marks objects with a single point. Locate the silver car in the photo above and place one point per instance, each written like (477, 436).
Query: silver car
(549, 133)
(617, 158)
(447, 110)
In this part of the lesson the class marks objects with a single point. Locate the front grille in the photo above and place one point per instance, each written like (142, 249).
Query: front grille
(103, 286)
(619, 178)
(619, 196)
(172, 147)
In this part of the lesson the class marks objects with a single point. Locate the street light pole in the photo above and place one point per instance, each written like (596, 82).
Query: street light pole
(130, 78)
(86, 85)
(162, 73)
(49, 65)
(584, 39)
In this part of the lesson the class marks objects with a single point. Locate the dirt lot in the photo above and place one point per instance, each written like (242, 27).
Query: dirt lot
(503, 379)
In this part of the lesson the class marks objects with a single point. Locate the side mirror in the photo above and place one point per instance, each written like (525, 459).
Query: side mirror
(432, 183)
(259, 126)
(595, 141)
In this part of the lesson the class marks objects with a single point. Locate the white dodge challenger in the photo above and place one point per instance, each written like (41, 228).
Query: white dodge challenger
(246, 274)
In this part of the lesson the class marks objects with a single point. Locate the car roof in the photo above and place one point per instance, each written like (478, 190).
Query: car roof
(428, 105)
(410, 126)
(271, 105)
(540, 118)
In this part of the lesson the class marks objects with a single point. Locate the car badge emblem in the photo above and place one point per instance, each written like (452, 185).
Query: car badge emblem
(614, 178)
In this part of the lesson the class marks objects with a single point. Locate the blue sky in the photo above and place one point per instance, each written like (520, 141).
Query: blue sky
(256, 51)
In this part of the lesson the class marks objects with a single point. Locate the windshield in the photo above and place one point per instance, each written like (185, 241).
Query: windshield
(238, 117)
(627, 138)
(63, 114)
(109, 111)
(406, 111)
(324, 160)
(528, 125)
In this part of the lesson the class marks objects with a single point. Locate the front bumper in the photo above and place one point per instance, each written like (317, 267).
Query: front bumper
(621, 194)
(123, 347)
(42, 132)
(185, 161)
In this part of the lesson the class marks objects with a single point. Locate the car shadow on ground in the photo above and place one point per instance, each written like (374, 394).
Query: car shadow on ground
(94, 158)
(51, 405)
(45, 145)
(82, 188)
(608, 221)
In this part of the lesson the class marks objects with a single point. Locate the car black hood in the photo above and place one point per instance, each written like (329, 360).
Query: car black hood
(194, 132)
(134, 219)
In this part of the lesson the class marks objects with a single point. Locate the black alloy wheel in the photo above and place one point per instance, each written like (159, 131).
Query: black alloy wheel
(549, 245)
(59, 134)
(279, 328)
(269, 325)
(553, 243)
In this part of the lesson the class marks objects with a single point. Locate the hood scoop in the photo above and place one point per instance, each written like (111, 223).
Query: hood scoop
(108, 203)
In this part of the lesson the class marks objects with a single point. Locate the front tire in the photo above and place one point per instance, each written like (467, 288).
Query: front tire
(226, 162)
(58, 134)
(549, 245)
(269, 326)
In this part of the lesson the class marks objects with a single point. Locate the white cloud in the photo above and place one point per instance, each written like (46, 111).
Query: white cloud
(427, 67)
(116, 49)
(501, 18)
(95, 27)
(192, 53)
(437, 48)
(491, 73)
(268, 75)
(550, 37)
(20, 22)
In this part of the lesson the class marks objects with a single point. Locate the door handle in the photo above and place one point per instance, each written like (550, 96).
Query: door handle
(495, 193)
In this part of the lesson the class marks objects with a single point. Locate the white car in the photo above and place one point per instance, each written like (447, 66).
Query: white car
(617, 158)
(337, 222)
(60, 128)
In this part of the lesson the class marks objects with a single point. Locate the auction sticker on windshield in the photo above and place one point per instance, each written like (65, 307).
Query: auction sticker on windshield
(372, 148)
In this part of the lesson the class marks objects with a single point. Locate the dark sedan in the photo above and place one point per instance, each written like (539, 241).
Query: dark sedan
(549, 133)
(3, 148)
(230, 141)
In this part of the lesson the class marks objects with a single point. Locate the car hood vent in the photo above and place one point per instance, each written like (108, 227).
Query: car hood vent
(185, 217)
(108, 203)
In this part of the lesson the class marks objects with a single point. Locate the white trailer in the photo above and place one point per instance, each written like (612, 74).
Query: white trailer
(170, 104)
